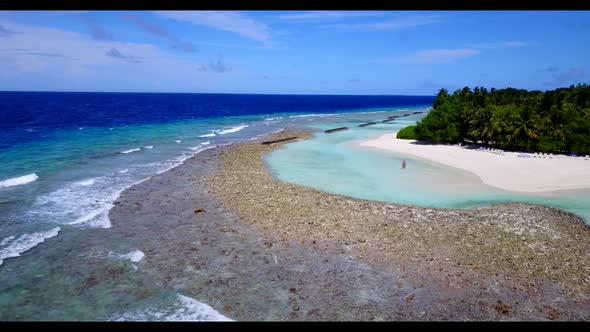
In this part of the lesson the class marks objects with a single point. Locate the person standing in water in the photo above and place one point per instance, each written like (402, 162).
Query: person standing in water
(404, 164)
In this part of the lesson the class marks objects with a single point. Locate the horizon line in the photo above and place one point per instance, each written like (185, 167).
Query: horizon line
(217, 93)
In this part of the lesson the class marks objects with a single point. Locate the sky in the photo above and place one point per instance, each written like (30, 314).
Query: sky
(292, 52)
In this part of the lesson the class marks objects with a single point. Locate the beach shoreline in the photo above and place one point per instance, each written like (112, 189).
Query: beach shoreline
(194, 245)
(506, 171)
(472, 262)
(261, 249)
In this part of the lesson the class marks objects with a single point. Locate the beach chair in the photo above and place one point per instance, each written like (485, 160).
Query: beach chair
(586, 158)
(551, 155)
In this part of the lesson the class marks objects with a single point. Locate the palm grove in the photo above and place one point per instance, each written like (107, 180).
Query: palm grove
(514, 119)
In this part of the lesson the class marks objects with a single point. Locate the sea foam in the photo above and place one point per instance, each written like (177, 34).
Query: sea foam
(6, 240)
(311, 115)
(178, 161)
(183, 309)
(18, 180)
(134, 256)
(130, 150)
(87, 182)
(89, 205)
(98, 218)
(75, 204)
(208, 135)
(232, 130)
(24, 243)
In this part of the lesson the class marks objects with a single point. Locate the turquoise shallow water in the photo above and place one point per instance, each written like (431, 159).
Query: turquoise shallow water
(58, 258)
(333, 163)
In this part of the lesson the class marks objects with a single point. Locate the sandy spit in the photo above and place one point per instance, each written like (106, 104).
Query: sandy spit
(503, 262)
(506, 171)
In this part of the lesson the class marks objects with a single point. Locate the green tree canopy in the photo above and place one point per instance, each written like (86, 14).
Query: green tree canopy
(556, 120)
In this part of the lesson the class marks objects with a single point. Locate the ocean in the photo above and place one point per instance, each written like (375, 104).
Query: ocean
(66, 157)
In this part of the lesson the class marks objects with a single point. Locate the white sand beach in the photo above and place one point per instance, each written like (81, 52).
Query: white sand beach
(506, 171)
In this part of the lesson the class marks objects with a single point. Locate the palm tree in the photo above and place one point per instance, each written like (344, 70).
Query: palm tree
(557, 131)
(525, 128)
(483, 125)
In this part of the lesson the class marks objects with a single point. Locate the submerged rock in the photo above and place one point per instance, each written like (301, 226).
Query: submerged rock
(487, 243)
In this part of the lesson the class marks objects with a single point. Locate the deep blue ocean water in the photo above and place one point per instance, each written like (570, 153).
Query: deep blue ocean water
(65, 158)
(30, 116)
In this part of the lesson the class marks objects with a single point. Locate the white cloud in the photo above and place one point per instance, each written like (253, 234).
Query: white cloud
(571, 75)
(66, 12)
(73, 47)
(159, 31)
(217, 66)
(396, 23)
(234, 22)
(319, 15)
(47, 58)
(432, 56)
(508, 44)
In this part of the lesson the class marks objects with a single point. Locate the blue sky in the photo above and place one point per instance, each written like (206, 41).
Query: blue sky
(292, 52)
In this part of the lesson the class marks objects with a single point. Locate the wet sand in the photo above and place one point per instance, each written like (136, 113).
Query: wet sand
(222, 230)
(506, 171)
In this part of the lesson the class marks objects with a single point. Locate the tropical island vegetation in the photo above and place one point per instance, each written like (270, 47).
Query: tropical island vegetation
(514, 119)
